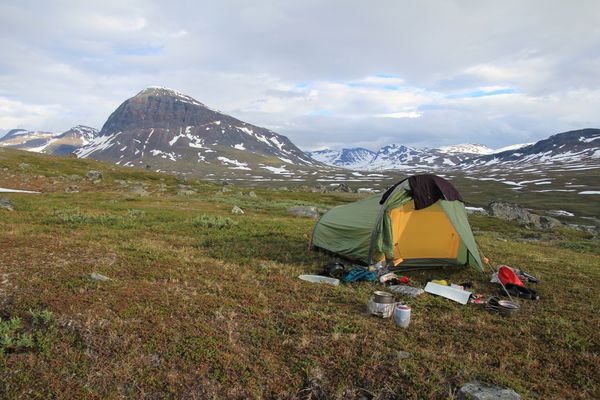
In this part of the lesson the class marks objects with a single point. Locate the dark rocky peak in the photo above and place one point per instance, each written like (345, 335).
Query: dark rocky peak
(156, 107)
(157, 91)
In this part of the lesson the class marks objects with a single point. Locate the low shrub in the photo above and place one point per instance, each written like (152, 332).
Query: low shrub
(213, 221)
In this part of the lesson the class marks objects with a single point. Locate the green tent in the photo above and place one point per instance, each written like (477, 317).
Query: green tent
(421, 221)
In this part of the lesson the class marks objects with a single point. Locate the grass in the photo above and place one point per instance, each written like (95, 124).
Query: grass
(206, 304)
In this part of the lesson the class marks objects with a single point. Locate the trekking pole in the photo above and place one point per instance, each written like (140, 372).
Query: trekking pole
(506, 291)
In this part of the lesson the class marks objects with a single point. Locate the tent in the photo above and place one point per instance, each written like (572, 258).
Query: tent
(420, 221)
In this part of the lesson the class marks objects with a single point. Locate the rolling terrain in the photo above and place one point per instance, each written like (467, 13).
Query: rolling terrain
(205, 304)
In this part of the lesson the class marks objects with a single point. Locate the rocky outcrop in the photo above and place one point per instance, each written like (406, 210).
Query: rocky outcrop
(94, 176)
(511, 211)
(6, 205)
(304, 211)
(476, 390)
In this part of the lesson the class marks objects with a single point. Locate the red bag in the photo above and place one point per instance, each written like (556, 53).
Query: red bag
(507, 275)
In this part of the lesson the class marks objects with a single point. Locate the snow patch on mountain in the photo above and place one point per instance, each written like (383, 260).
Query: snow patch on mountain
(466, 148)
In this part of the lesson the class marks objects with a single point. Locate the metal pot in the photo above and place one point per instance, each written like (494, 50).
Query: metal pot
(383, 297)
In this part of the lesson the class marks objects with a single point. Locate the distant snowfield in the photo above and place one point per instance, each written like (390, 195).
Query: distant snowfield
(561, 213)
(590, 192)
(5, 190)
(475, 209)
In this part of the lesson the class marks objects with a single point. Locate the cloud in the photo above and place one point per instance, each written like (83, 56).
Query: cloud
(401, 114)
(334, 73)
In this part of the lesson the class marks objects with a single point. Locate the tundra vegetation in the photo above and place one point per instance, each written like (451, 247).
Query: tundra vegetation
(205, 304)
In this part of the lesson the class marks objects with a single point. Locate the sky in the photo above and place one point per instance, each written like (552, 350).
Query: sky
(325, 73)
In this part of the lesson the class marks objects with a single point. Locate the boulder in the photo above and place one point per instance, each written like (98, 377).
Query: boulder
(94, 176)
(186, 192)
(403, 355)
(237, 210)
(304, 211)
(6, 205)
(72, 189)
(252, 194)
(511, 211)
(99, 277)
(139, 190)
(342, 187)
(476, 390)
(318, 188)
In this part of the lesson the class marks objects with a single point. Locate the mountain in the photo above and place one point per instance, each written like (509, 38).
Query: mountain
(353, 158)
(71, 140)
(166, 130)
(49, 142)
(395, 157)
(574, 147)
(26, 140)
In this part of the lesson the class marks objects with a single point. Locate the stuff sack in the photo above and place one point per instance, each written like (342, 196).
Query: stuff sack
(520, 291)
(506, 275)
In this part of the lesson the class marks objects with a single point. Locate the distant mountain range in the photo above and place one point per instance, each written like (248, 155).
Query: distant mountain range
(399, 157)
(166, 130)
(579, 148)
(49, 142)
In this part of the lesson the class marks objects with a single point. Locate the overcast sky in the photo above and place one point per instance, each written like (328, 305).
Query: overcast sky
(324, 73)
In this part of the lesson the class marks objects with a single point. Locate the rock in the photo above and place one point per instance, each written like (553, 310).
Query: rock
(161, 187)
(139, 190)
(225, 189)
(24, 166)
(6, 205)
(510, 211)
(304, 211)
(225, 183)
(252, 194)
(185, 192)
(549, 222)
(313, 389)
(72, 189)
(155, 360)
(403, 355)
(591, 229)
(237, 210)
(74, 177)
(99, 277)
(476, 390)
(182, 178)
(284, 189)
(318, 188)
(94, 176)
(342, 187)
